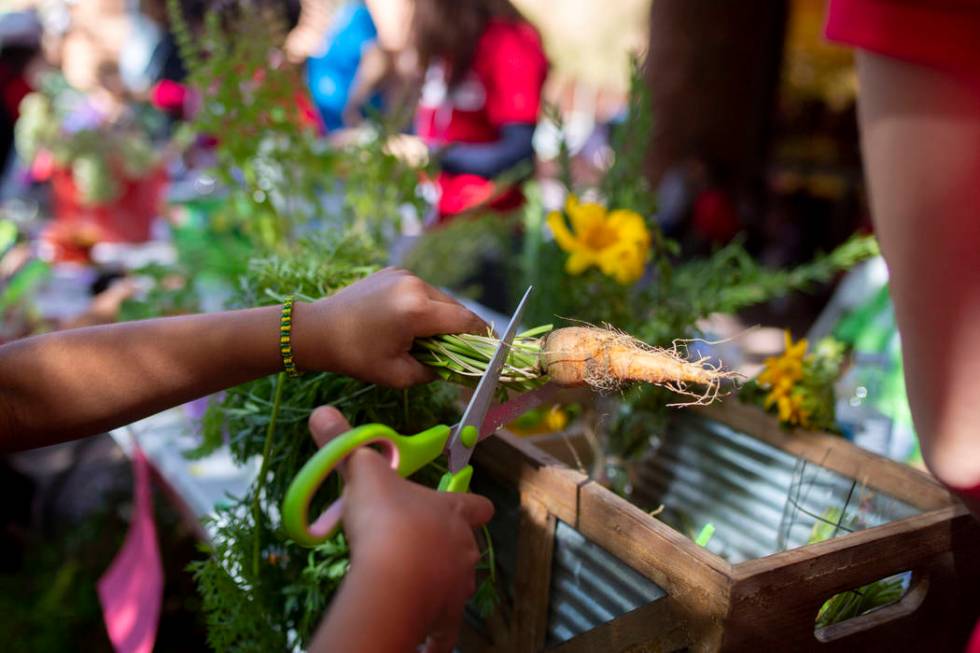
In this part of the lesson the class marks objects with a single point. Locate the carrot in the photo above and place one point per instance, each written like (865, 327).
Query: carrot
(602, 358)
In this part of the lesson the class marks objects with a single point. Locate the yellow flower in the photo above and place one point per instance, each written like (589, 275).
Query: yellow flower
(617, 242)
(781, 375)
(791, 410)
(556, 419)
(788, 366)
(553, 421)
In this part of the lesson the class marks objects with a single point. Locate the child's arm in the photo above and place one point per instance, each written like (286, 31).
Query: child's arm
(413, 555)
(74, 383)
(920, 135)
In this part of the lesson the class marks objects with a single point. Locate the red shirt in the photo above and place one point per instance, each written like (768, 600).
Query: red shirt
(502, 87)
(943, 34)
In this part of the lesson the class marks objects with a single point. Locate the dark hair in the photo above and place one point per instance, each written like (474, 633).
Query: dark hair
(451, 29)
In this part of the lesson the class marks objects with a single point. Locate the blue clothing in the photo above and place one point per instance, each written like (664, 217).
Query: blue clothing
(331, 74)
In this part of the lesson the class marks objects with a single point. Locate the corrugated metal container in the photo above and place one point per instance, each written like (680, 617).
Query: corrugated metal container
(759, 498)
(590, 587)
(705, 472)
(762, 493)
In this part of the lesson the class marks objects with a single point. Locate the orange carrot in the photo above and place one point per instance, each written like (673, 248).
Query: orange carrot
(606, 359)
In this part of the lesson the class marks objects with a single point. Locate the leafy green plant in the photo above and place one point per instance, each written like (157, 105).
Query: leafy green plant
(860, 600)
(624, 185)
(452, 254)
(268, 158)
(279, 175)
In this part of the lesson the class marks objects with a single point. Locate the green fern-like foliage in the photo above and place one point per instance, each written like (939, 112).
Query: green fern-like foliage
(625, 184)
(279, 174)
(730, 280)
(260, 590)
(268, 157)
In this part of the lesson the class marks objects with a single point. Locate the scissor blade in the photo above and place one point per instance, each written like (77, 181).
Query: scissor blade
(476, 410)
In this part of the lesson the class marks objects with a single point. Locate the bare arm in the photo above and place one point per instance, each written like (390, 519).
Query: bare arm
(74, 383)
(921, 140)
(375, 66)
(310, 30)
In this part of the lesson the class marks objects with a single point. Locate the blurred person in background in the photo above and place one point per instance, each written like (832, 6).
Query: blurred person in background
(20, 41)
(331, 69)
(149, 54)
(483, 68)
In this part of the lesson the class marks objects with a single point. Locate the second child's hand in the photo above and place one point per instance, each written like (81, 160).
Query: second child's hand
(413, 556)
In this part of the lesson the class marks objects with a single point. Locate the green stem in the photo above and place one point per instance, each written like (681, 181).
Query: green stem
(263, 472)
(490, 554)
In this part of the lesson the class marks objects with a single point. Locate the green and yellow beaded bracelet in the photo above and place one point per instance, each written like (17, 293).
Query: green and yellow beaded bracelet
(286, 337)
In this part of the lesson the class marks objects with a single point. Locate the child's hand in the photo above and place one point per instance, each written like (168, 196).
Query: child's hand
(366, 330)
(413, 555)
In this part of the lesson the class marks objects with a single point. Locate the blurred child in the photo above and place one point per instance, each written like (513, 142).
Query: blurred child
(485, 68)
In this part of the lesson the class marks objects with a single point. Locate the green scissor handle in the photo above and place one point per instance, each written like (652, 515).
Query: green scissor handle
(407, 454)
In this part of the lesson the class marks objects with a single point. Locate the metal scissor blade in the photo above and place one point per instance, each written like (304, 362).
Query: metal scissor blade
(476, 411)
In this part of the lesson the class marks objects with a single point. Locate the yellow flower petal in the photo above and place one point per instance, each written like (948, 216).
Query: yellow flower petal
(631, 226)
(556, 419)
(785, 408)
(586, 217)
(579, 261)
(571, 201)
(564, 238)
(799, 349)
(617, 242)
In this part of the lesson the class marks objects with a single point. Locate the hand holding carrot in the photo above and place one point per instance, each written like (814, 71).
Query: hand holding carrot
(413, 555)
(366, 330)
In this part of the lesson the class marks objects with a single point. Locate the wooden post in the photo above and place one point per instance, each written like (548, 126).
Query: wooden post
(713, 69)
(532, 582)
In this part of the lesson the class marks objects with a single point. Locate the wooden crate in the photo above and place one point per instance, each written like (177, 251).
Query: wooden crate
(698, 600)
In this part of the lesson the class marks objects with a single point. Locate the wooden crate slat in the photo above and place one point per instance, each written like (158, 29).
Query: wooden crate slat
(776, 599)
(836, 453)
(694, 576)
(530, 470)
(532, 581)
(932, 617)
(860, 557)
(631, 632)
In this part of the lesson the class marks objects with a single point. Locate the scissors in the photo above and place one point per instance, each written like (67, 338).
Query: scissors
(406, 454)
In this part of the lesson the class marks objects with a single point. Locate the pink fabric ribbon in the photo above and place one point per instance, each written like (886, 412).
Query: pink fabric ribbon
(131, 589)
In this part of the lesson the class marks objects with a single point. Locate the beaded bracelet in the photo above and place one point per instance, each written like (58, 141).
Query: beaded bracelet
(286, 337)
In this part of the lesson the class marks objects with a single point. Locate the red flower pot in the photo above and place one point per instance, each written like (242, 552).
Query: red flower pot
(126, 219)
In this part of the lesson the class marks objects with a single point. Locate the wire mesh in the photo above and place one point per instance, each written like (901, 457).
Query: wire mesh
(822, 504)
